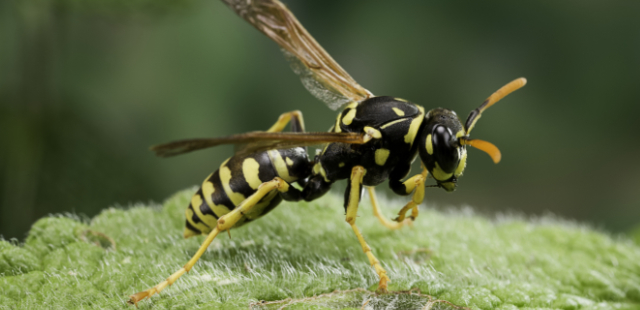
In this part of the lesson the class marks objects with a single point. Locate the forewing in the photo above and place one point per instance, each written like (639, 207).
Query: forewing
(319, 73)
(259, 141)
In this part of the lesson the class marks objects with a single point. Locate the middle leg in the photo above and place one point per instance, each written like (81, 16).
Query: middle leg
(352, 199)
(415, 184)
(376, 211)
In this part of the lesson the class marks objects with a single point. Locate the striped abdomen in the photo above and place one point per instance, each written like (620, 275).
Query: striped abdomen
(238, 178)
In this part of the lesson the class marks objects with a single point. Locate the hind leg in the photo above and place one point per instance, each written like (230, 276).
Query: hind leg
(225, 222)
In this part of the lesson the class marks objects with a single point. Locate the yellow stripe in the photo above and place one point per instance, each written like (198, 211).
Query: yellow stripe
(400, 99)
(196, 201)
(413, 128)
(398, 111)
(225, 178)
(281, 166)
(429, 145)
(348, 118)
(208, 219)
(207, 190)
(250, 170)
(188, 232)
(393, 123)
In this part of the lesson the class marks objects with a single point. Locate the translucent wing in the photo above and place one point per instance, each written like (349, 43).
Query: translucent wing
(320, 74)
(259, 141)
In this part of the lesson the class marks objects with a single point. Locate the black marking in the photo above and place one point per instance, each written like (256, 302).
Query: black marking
(219, 196)
(192, 228)
(206, 210)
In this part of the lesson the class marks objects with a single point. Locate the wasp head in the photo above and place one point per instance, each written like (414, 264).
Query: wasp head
(440, 149)
(443, 139)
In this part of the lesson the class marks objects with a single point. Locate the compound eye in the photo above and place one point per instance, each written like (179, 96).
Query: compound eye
(445, 149)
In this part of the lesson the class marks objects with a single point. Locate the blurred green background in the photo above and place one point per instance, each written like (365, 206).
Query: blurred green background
(87, 86)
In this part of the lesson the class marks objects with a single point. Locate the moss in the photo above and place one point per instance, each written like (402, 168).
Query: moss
(303, 250)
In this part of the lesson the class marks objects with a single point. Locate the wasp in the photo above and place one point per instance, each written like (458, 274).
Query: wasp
(373, 139)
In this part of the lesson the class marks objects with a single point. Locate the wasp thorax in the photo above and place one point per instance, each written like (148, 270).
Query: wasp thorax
(440, 149)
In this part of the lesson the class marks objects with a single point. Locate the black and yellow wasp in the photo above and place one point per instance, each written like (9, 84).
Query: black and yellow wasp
(373, 139)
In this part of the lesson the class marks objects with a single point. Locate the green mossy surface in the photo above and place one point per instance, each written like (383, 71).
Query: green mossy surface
(306, 249)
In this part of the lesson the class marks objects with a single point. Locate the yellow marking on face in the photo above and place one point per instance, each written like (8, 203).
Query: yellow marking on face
(280, 165)
(341, 165)
(398, 111)
(250, 170)
(374, 133)
(348, 118)
(393, 123)
(225, 178)
(381, 156)
(462, 164)
(439, 174)
(318, 169)
(414, 126)
(429, 145)
(400, 99)
(289, 161)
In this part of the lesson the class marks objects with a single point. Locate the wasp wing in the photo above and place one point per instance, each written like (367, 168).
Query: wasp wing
(319, 73)
(259, 141)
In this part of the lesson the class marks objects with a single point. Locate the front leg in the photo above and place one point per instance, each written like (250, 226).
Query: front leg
(352, 199)
(414, 184)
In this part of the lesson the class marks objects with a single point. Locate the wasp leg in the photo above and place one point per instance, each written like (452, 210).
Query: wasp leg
(295, 117)
(352, 199)
(416, 183)
(378, 214)
(225, 222)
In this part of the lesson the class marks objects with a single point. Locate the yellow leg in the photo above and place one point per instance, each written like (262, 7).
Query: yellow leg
(285, 118)
(357, 174)
(225, 222)
(416, 183)
(378, 214)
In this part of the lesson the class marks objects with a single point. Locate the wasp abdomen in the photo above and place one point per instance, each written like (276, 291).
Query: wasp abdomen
(238, 178)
